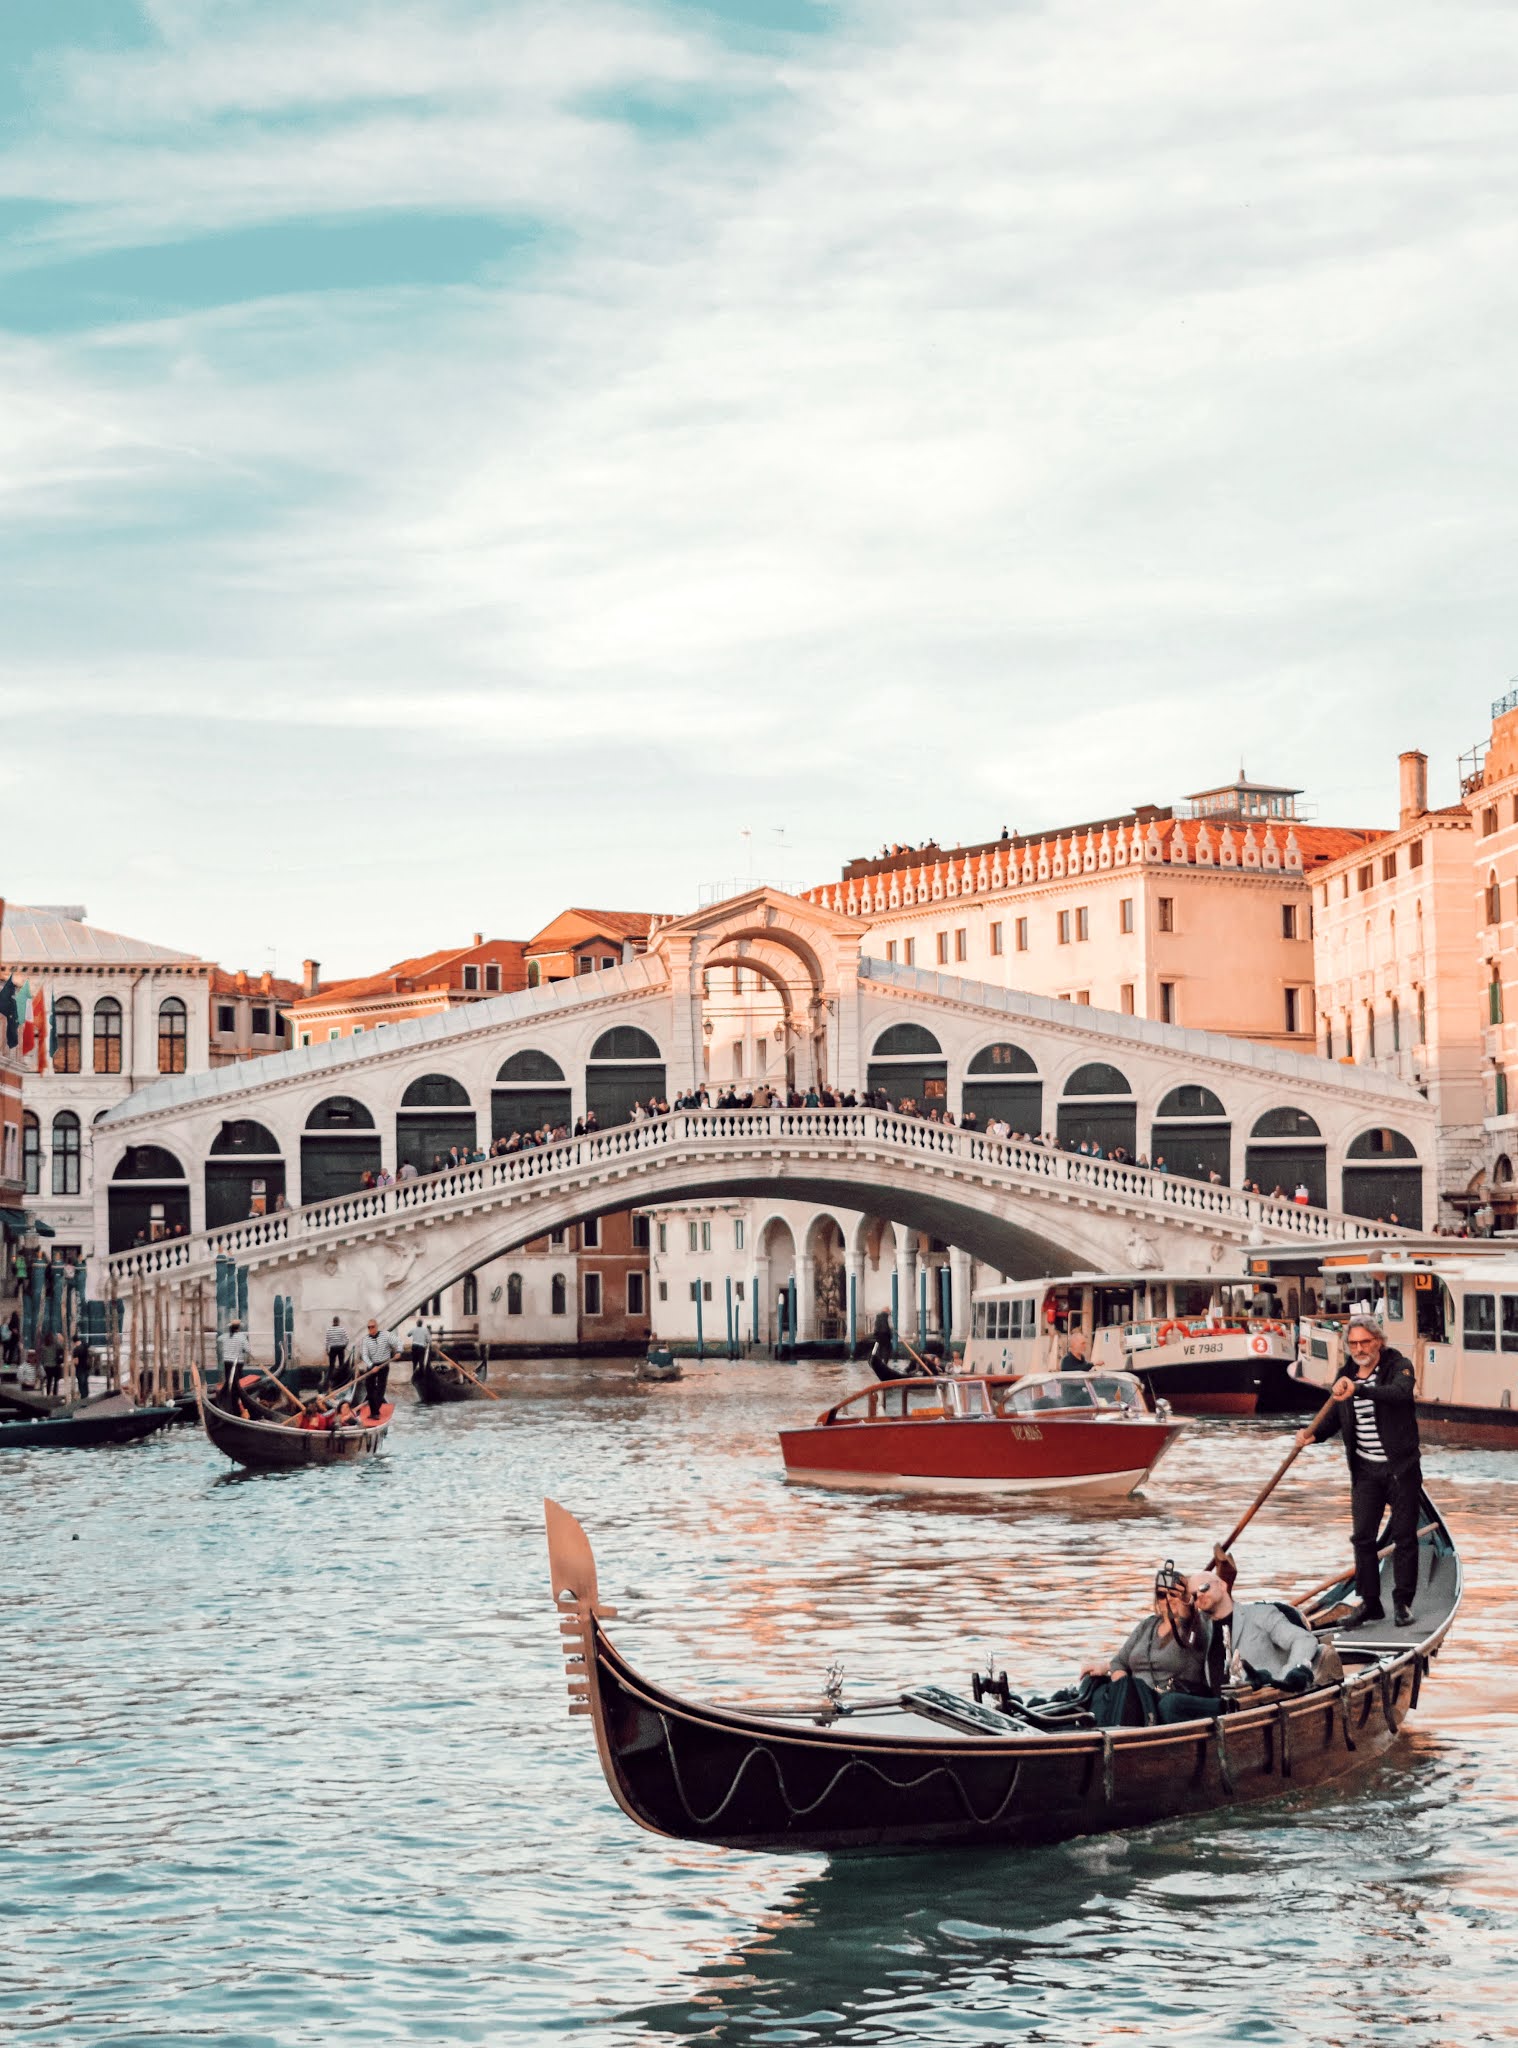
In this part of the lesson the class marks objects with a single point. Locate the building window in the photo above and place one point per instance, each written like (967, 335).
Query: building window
(1365, 877)
(1396, 1024)
(433, 1307)
(664, 1290)
(31, 1152)
(695, 1235)
(1415, 854)
(1292, 1006)
(1493, 900)
(1370, 1031)
(1488, 820)
(471, 981)
(891, 951)
(1064, 927)
(68, 1035)
(65, 1153)
(1388, 867)
(226, 1019)
(471, 1295)
(557, 1240)
(590, 1234)
(1083, 923)
(996, 945)
(1022, 935)
(1167, 1000)
(909, 952)
(492, 977)
(1165, 913)
(1288, 920)
(943, 949)
(260, 1023)
(558, 1296)
(706, 1237)
(1328, 1039)
(1422, 1019)
(334, 1031)
(640, 1234)
(513, 1294)
(592, 1294)
(737, 1233)
(664, 1237)
(1125, 915)
(637, 1294)
(1349, 1036)
(1501, 1079)
(961, 945)
(1494, 1000)
(1344, 885)
(1125, 999)
(171, 1036)
(108, 1036)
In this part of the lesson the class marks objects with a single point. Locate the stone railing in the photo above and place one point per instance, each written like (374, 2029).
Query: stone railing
(759, 1132)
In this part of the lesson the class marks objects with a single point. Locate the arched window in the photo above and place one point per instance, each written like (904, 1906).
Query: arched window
(625, 1042)
(1493, 898)
(340, 1113)
(1002, 1086)
(1382, 1144)
(436, 1091)
(1286, 1151)
(1098, 1079)
(528, 1066)
(1109, 1126)
(244, 1172)
(1370, 1031)
(435, 1117)
(471, 1295)
(1382, 1178)
(530, 1092)
(338, 1147)
(149, 1198)
(1422, 1019)
(172, 1036)
(1191, 1134)
(107, 1036)
(1285, 1123)
(242, 1134)
(1396, 1025)
(1000, 1059)
(558, 1296)
(66, 1152)
(1191, 1100)
(68, 1035)
(513, 1294)
(903, 1041)
(31, 1152)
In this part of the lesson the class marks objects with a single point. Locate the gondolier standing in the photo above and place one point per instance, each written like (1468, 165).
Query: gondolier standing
(234, 1353)
(419, 1337)
(1375, 1415)
(375, 1353)
(338, 1341)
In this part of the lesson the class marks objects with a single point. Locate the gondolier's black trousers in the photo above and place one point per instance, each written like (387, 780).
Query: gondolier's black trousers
(374, 1388)
(1373, 1490)
(337, 1370)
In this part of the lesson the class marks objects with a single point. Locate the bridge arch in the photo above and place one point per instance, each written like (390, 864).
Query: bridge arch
(1383, 1177)
(339, 1145)
(435, 1114)
(1192, 1133)
(1286, 1150)
(1097, 1108)
(244, 1172)
(908, 1064)
(530, 1090)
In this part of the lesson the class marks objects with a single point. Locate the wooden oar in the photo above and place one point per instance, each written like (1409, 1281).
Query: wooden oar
(465, 1374)
(1221, 1550)
(916, 1358)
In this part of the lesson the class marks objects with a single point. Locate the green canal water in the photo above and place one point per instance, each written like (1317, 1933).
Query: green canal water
(286, 1758)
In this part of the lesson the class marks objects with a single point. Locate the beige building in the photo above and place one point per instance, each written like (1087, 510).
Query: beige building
(1399, 988)
(1490, 786)
(1198, 916)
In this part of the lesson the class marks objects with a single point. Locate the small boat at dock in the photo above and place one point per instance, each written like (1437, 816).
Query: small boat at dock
(924, 1767)
(1073, 1432)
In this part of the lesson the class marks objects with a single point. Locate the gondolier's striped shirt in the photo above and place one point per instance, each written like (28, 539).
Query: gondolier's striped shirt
(1368, 1444)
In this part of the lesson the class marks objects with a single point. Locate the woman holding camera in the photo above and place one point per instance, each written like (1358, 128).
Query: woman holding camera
(1166, 1652)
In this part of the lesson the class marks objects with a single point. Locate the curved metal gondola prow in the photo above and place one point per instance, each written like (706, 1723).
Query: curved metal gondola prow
(571, 1561)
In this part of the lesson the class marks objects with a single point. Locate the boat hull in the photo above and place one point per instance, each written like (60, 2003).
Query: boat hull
(436, 1386)
(959, 1455)
(272, 1445)
(84, 1431)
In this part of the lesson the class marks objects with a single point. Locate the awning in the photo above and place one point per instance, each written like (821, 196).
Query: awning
(13, 1220)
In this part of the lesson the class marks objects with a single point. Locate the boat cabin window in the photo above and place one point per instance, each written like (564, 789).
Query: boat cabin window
(1036, 1397)
(1111, 1306)
(891, 1401)
(858, 1408)
(1391, 1297)
(971, 1398)
(1114, 1388)
(1481, 1322)
(1192, 1299)
(1510, 1322)
(1004, 1319)
(924, 1398)
(1434, 1308)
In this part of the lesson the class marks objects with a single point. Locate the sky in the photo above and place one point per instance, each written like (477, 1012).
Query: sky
(459, 459)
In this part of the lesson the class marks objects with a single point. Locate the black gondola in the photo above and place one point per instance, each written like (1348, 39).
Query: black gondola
(283, 1444)
(925, 1768)
(83, 1428)
(437, 1380)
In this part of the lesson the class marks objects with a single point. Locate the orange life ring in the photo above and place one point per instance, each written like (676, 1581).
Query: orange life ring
(1168, 1330)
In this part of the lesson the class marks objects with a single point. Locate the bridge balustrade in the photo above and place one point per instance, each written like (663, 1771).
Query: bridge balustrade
(567, 1159)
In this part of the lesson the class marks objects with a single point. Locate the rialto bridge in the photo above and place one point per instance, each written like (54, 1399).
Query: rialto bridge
(179, 1166)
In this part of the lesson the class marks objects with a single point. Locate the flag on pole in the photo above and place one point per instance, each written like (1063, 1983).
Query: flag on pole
(10, 1012)
(52, 1030)
(28, 1034)
(39, 1026)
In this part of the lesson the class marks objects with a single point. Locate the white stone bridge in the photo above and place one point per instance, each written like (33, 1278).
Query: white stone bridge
(181, 1153)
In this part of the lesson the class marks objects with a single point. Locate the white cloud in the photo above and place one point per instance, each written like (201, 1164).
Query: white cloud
(1003, 411)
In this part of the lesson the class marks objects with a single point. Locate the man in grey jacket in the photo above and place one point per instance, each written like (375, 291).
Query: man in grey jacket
(1253, 1643)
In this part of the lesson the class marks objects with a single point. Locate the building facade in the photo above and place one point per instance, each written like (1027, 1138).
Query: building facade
(1396, 948)
(13, 1220)
(582, 1289)
(1202, 919)
(321, 1013)
(1489, 785)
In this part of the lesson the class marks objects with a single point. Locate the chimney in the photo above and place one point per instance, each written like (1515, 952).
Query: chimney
(479, 938)
(310, 970)
(1413, 786)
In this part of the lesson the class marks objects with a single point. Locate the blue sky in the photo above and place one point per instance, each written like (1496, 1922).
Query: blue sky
(460, 459)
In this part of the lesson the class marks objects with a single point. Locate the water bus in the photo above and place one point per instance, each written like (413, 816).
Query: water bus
(1209, 1344)
(1453, 1311)
(1087, 1433)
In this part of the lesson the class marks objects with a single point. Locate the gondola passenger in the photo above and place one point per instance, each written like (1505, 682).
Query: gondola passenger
(1251, 1643)
(1164, 1654)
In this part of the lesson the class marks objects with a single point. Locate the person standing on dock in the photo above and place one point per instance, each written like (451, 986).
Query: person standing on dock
(338, 1341)
(82, 1365)
(1375, 1415)
(375, 1352)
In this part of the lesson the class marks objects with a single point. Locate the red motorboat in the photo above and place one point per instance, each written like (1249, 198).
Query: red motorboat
(1071, 1432)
